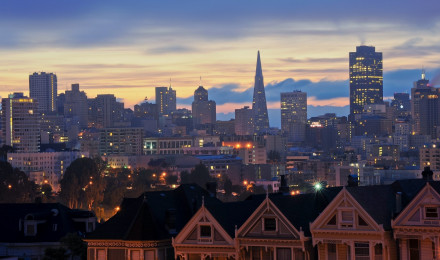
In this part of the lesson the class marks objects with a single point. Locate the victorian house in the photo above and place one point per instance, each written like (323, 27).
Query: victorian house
(417, 227)
(357, 225)
(144, 226)
(210, 234)
(28, 229)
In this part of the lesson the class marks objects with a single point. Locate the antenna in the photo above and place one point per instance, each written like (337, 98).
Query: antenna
(200, 82)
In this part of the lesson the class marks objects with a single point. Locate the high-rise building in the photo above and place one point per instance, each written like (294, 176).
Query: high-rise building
(366, 78)
(43, 88)
(105, 111)
(260, 118)
(21, 128)
(401, 104)
(203, 110)
(243, 121)
(75, 105)
(425, 107)
(294, 115)
(165, 100)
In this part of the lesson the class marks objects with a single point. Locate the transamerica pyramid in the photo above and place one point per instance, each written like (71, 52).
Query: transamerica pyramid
(260, 118)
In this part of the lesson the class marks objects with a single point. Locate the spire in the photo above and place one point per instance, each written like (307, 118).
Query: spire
(170, 83)
(260, 118)
(423, 73)
(259, 71)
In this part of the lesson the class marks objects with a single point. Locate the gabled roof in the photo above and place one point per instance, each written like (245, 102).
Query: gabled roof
(378, 201)
(233, 214)
(148, 212)
(48, 214)
(301, 209)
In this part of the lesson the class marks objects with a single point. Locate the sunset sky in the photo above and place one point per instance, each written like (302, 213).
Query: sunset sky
(129, 47)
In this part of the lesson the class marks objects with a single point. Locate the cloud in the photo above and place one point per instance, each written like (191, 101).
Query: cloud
(170, 49)
(314, 60)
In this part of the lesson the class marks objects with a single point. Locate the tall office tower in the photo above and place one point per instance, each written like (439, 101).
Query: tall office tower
(105, 111)
(203, 110)
(21, 127)
(294, 115)
(165, 100)
(75, 105)
(366, 78)
(401, 104)
(260, 119)
(425, 107)
(243, 121)
(43, 88)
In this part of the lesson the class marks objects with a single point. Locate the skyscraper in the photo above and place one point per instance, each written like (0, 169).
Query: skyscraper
(21, 128)
(243, 121)
(425, 106)
(165, 100)
(75, 105)
(203, 110)
(366, 78)
(259, 107)
(294, 115)
(43, 88)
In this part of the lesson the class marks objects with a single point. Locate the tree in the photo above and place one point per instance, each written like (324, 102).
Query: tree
(82, 185)
(75, 245)
(185, 177)
(227, 186)
(46, 190)
(200, 175)
(15, 186)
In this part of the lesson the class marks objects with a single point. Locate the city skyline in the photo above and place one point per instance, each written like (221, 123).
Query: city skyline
(128, 49)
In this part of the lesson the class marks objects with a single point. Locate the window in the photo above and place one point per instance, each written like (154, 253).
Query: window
(361, 251)
(378, 252)
(414, 250)
(346, 219)
(205, 231)
(149, 255)
(30, 230)
(270, 224)
(431, 212)
(331, 251)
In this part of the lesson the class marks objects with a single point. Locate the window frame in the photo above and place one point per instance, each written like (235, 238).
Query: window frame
(264, 224)
(425, 212)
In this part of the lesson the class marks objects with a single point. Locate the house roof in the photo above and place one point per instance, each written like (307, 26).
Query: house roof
(144, 218)
(233, 214)
(378, 201)
(49, 214)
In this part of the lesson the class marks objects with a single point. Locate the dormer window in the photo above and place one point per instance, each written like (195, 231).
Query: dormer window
(431, 212)
(30, 230)
(205, 231)
(346, 217)
(205, 234)
(270, 224)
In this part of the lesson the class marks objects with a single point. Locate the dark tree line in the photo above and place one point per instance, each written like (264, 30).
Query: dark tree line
(15, 186)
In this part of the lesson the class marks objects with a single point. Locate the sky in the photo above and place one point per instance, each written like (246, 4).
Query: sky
(128, 48)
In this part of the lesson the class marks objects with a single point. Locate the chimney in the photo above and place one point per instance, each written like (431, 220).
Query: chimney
(398, 202)
(427, 174)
